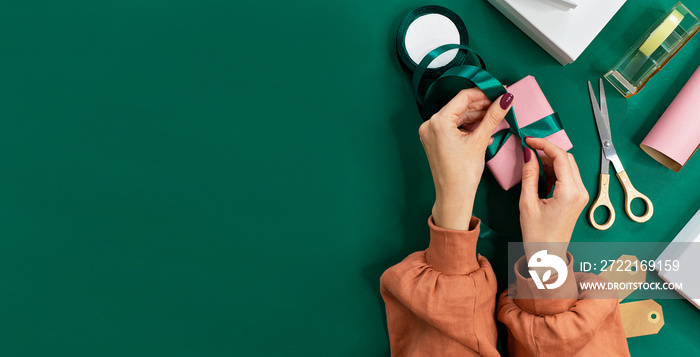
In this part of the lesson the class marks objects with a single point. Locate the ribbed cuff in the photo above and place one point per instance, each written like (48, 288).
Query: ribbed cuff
(453, 252)
(546, 301)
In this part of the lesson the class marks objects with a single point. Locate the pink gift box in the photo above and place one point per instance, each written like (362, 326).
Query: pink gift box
(529, 105)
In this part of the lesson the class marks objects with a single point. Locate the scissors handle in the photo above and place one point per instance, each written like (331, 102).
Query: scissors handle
(630, 194)
(603, 200)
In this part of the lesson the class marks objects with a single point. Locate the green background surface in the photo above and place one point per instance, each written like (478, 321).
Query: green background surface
(207, 178)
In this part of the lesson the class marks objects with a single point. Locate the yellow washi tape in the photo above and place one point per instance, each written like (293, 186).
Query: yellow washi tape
(661, 33)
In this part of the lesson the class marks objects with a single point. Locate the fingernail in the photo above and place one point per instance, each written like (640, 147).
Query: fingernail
(506, 99)
(527, 155)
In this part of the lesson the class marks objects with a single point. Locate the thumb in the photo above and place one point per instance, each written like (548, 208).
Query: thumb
(531, 175)
(494, 115)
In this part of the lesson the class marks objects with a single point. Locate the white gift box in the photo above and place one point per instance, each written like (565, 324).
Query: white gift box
(563, 34)
(687, 254)
(563, 4)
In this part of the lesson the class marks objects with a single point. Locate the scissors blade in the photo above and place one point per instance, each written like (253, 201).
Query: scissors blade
(603, 125)
(604, 163)
(603, 102)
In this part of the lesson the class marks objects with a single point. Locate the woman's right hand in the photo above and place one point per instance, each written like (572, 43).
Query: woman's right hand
(550, 220)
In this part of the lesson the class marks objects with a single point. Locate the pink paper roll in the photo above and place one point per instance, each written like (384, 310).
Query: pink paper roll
(676, 136)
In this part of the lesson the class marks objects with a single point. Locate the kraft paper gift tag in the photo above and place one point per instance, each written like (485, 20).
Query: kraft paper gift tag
(641, 318)
(622, 276)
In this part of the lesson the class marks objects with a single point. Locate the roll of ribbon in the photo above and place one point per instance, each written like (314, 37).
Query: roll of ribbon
(425, 29)
(676, 136)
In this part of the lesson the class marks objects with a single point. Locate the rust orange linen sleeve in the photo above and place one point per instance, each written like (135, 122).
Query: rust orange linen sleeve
(571, 323)
(441, 301)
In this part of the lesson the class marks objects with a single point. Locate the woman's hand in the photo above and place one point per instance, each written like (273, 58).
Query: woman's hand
(550, 220)
(456, 155)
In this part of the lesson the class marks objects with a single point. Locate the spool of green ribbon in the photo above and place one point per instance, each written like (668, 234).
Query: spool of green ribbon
(444, 24)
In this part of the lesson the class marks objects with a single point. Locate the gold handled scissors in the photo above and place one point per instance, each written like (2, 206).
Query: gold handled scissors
(609, 155)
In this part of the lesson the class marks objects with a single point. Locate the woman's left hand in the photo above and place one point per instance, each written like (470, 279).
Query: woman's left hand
(457, 155)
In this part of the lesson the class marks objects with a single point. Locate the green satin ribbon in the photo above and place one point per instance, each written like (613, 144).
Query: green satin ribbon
(489, 234)
(538, 129)
(455, 79)
(429, 58)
